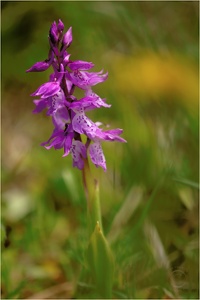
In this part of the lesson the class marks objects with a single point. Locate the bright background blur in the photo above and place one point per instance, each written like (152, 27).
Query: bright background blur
(149, 195)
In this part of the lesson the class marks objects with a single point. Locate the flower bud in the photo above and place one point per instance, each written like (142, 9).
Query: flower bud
(60, 26)
(53, 33)
(39, 67)
(67, 39)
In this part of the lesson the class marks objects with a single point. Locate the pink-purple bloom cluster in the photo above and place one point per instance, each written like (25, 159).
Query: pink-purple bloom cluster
(68, 112)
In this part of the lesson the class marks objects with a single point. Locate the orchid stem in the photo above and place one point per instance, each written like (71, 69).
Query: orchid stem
(91, 187)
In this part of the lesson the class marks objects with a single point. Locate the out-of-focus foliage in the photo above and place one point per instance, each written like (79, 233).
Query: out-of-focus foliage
(149, 195)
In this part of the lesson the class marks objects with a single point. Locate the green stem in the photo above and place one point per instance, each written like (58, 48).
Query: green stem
(98, 254)
(91, 187)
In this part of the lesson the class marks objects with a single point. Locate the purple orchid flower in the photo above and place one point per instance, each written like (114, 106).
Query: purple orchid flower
(51, 103)
(84, 80)
(67, 112)
(80, 64)
(60, 138)
(47, 89)
(88, 103)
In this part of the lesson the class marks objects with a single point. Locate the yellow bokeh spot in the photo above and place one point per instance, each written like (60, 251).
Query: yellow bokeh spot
(157, 75)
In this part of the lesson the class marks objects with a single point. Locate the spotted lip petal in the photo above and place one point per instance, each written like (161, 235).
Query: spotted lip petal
(84, 125)
(78, 152)
(98, 102)
(84, 80)
(60, 117)
(56, 101)
(89, 102)
(80, 64)
(97, 156)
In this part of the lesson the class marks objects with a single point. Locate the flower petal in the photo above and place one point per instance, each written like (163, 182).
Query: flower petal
(85, 80)
(60, 117)
(89, 102)
(113, 135)
(55, 140)
(39, 66)
(68, 143)
(40, 105)
(80, 64)
(97, 156)
(78, 152)
(84, 125)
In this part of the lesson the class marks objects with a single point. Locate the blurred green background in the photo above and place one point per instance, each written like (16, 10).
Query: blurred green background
(149, 195)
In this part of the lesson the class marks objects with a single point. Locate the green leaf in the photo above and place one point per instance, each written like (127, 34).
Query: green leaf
(188, 183)
(101, 262)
